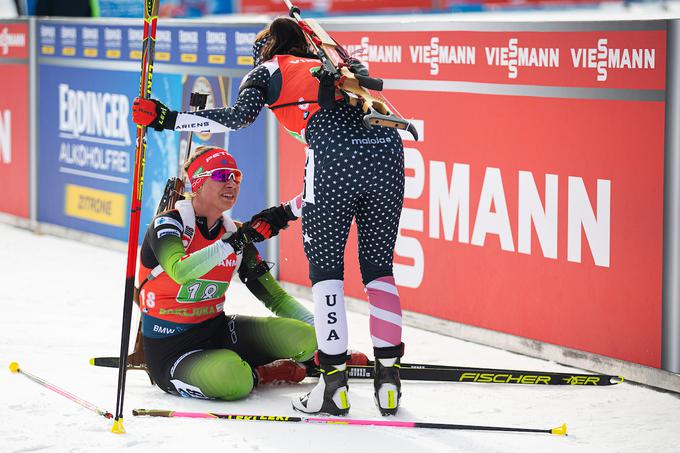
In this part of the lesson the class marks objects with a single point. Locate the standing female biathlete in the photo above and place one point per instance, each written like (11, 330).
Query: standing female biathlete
(351, 173)
(188, 257)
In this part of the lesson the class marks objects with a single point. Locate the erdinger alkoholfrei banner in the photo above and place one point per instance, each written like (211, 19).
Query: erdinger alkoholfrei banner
(14, 118)
(86, 152)
(534, 200)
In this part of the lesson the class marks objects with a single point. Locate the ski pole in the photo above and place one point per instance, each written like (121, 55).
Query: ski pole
(559, 431)
(148, 47)
(198, 102)
(14, 368)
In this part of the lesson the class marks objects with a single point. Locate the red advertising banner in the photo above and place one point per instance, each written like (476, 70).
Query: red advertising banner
(14, 139)
(13, 40)
(538, 217)
(594, 59)
(14, 119)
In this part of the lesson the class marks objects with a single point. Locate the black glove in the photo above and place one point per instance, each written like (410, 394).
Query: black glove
(247, 233)
(277, 218)
(153, 113)
(236, 239)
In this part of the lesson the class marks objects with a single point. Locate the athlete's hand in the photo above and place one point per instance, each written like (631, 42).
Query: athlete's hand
(247, 233)
(258, 230)
(153, 113)
(275, 219)
(236, 239)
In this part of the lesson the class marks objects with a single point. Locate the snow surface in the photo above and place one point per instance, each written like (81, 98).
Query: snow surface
(61, 305)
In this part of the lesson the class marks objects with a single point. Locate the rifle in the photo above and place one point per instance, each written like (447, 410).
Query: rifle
(334, 64)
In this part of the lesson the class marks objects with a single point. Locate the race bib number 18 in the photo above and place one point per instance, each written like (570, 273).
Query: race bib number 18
(199, 290)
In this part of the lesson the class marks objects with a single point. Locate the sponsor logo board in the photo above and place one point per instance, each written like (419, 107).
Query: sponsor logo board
(597, 59)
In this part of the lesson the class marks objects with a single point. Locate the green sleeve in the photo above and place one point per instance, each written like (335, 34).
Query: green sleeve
(183, 268)
(278, 301)
(255, 274)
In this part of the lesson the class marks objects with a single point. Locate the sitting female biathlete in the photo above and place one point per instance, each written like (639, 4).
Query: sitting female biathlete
(188, 258)
(351, 173)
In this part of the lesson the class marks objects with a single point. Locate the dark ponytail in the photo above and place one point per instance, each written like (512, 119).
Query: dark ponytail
(284, 37)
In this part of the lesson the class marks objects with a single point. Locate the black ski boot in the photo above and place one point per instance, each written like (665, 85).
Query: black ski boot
(330, 394)
(386, 380)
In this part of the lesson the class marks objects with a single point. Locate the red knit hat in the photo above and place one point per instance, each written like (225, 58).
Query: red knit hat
(212, 159)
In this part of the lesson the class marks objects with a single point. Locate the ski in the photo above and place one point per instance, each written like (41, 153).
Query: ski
(446, 373)
(443, 373)
(112, 362)
(559, 431)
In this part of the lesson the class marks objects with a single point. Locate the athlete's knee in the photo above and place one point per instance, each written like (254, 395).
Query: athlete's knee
(297, 339)
(318, 274)
(371, 271)
(222, 374)
(237, 378)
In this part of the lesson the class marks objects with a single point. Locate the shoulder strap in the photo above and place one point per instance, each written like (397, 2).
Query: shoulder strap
(186, 212)
(229, 225)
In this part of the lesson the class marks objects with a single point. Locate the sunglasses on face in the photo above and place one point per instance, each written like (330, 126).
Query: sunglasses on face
(223, 175)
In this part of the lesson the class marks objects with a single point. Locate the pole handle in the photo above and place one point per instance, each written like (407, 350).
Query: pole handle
(198, 100)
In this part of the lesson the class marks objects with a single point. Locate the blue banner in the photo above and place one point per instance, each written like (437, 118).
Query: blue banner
(204, 46)
(87, 149)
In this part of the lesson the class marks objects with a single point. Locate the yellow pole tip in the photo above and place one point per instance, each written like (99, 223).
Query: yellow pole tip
(14, 367)
(560, 430)
(92, 361)
(118, 427)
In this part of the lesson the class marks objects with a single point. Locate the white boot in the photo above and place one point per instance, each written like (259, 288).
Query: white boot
(330, 396)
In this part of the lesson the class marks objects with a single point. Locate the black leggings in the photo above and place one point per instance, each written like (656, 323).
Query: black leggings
(351, 173)
(215, 358)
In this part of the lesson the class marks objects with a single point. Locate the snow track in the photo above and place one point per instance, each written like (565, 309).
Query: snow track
(61, 305)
